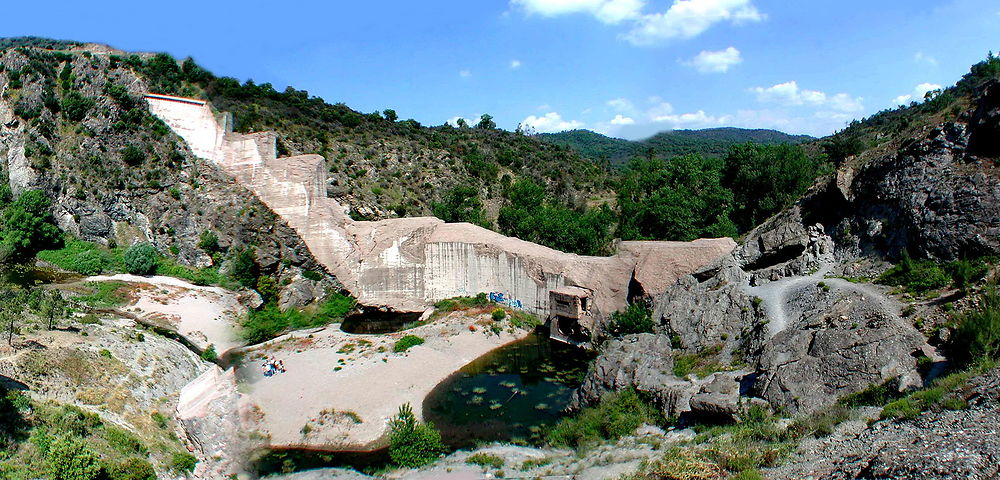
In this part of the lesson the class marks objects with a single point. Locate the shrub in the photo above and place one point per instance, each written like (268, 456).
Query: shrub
(498, 314)
(311, 275)
(245, 269)
(209, 354)
(132, 469)
(978, 333)
(79, 256)
(701, 364)
(876, 395)
(75, 106)
(524, 320)
(966, 272)
(183, 462)
(485, 460)
(133, 155)
(69, 458)
(141, 259)
(636, 318)
(123, 441)
(915, 275)
(412, 444)
(902, 409)
(208, 241)
(405, 343)
(618, 414)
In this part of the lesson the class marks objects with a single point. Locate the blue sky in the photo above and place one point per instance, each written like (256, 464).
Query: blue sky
(627, 68)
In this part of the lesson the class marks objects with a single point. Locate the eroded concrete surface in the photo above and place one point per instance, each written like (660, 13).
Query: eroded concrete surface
(408, 263)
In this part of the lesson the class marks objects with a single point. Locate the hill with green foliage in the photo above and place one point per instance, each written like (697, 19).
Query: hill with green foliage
(713, 142)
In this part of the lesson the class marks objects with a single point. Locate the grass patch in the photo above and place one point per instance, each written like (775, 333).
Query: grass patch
(618, 414)
(942, 394)
(85, 258)
(702, 364)
(407, 342)
(524, 320)
(270, 321)
(485, 460)
(105, 294)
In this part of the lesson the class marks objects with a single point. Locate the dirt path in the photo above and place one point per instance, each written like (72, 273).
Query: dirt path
(776, 296)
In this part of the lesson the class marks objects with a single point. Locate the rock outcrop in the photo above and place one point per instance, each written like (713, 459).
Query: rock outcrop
(774, 304)
(943, 445)
(645, 362)
(160, 192)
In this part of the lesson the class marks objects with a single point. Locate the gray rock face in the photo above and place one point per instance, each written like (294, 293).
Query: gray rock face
(946, 445)
(704, 313)
(935, 196)
(844, 341)
(645, 362)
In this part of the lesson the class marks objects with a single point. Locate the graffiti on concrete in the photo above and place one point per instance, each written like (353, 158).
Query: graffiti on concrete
(502, 299)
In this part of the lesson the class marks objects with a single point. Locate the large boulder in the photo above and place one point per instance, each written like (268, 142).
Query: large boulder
(846, 338)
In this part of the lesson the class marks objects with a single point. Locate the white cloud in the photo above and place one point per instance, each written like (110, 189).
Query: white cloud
(689, 18)
(659, 108)
(684, 18)
(917, 95)
(921, 57)
(622, 105)
(622, 120)
(716, 62)
(453, 121)
(698, 119)
(550, 123)
(607, 11)
(464, 73)
(790, 95)
(846, 103)
(515, 64)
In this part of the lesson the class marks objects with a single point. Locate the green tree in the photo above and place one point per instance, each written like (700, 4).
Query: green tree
(765, 179)
(529, 216)
(486, 122)
(10, 310)
(28, 227)
(461, 204)
(75, 106)
(209, 242)
(412, 444)
(69, 458)
(390, 115)
(141, 259)
(677, 199)
(53, 306)
(245, 268)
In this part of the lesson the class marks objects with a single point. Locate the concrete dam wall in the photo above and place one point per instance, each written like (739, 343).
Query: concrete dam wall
(407, 264)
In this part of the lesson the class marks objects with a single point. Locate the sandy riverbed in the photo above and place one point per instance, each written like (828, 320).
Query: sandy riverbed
(346, 387)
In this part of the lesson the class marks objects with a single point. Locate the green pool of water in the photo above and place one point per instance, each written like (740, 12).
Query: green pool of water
(512, 393)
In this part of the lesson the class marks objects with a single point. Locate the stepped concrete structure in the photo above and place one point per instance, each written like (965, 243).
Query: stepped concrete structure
(407, 264)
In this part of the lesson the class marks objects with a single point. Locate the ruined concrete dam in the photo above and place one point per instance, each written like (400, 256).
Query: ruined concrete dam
(407, 264)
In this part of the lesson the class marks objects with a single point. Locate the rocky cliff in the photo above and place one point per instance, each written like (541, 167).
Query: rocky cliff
(776, 312)
(74, 123)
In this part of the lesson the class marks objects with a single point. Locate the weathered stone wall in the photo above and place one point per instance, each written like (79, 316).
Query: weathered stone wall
(409, 263)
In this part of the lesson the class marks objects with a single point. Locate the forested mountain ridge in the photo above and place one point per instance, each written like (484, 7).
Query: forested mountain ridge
(712, 142)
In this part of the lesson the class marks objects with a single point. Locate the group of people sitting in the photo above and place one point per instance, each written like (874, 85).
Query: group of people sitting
(272, 367)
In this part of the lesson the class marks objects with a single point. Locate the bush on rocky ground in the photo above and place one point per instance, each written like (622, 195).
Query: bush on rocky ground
(412, 444)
